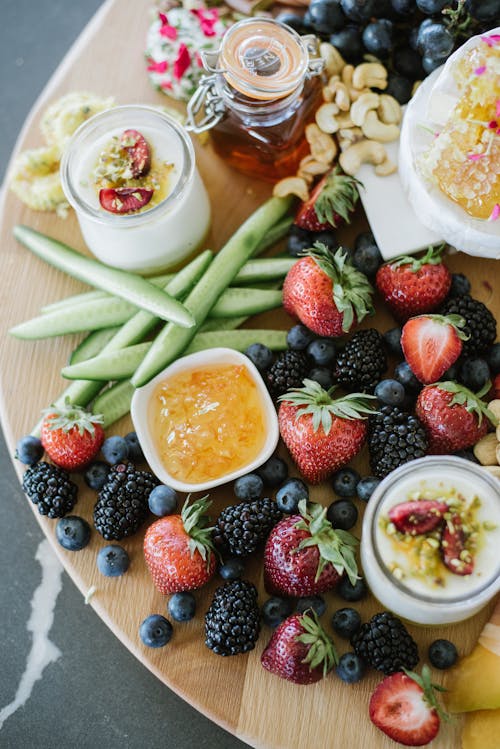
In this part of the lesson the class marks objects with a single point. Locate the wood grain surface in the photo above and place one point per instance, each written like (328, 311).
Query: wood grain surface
(235, 692)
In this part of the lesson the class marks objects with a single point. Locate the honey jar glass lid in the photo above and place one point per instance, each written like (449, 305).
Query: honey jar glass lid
(263, 59)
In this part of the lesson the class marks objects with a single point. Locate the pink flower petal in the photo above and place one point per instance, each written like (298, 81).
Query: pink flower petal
(497, 107)
(163, 18)
(480, 70)
(492, 40)
(495, 214)
(198, 59)
(170, 32)
(475, 156)
(158, 67)
(166, 84)
(182, 61)
(492, 125)
(207, 18)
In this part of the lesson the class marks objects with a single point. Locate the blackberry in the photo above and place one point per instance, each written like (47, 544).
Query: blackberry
(288, 371)
(122, 503)
(480, 325)
(394, 438)
(241, 528)
(362, 362)
(50, 488)
(232, 623)
(385, 643)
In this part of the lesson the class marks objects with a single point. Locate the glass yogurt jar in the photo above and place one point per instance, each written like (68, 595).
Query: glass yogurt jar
(130, 175)
(431, 534)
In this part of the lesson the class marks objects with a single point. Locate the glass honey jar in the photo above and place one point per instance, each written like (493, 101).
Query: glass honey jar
(263, 88)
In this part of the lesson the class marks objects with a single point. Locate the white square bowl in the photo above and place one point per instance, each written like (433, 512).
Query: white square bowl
(140, 408)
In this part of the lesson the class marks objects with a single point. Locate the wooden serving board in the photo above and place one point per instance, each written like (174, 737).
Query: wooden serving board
(235, 692)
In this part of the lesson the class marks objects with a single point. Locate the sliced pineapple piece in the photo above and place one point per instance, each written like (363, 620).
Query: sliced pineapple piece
(481, 730)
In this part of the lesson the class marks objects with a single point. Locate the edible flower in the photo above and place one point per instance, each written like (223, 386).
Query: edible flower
(182, 61)
(475, 156)
(157, 67)
(480, 70)
(495, 214)
(207, 17)
(491, 40)
(497, 107)
(166, 29)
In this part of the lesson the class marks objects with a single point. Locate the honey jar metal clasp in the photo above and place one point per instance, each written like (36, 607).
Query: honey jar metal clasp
(207, 101)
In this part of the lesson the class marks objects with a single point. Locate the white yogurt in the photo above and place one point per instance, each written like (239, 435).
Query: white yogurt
(413, 596)
(155, 238)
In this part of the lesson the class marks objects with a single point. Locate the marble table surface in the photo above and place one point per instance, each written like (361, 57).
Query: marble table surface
(87, 690)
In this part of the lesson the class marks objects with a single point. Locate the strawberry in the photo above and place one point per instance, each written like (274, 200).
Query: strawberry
(411, 286)
(300, 650)
(456, 556)
(305, 556)
(405, 708)
(326, 292)
(124, 199)
(330, 203)
(417, 517)
(452, 416)
(71, 436)
(496, 386)
(322, 434)
(178, 549)
(431, 344)
(138, 152)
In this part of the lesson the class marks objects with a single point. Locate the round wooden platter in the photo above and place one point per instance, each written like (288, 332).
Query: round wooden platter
(235, 692)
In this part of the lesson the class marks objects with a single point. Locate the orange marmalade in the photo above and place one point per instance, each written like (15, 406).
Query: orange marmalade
(207, 422)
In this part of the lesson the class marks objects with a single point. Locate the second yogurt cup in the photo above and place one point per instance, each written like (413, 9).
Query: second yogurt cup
(155, 238)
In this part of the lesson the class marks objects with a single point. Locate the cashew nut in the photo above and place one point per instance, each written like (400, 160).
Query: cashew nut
(355, 93)
(494, 470)
(349, 135)
(347, 73)
(309, 166)
(322, 146)
(373, 128)
(486, 450)
(334, 62)
(362, 106)
(389, 110)
(328, 94)
(494, 407)
(291, 186)
(325, 118)
(497, 452)
(385, 168)
(364, 152)
(369, 74)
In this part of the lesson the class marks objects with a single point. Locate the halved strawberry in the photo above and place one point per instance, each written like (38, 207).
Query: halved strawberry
(124, 199)
(456, 557)
(138, 151)
(331, 202)
(405, 708)
(431, 344)
(417, 517)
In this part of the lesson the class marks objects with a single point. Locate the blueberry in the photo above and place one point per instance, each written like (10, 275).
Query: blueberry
(460, 285)
(430, 63)
(452, 372)
(326, 16)
(408, 62)
(430, 7)
(299, 337)
(435, 40)
(349, 43)
(328, 238)
(162, 500)
(232, 569)
(351, 592)
(293, 20)
(135, 453)
(29, 450)
(182, 606)
(289, 495)
(316, 603)
(112, 560)
(260, 355)
(350, 668)
(342, 514)
(359, 10)
(155, 631)
(403, 7)
(73, 532)
(322, 351)
(346, 622)
(392, 339)
(442, 654)
(273, 472)
(323, 376)
(275, 610)
(404, 375)
(492, 357)
(474, 373)
(466, 455)
(364, 239)
(345, 481)
(249, 486)
(390, 392)
(483, 10)
(115, 450)
(298, 241)
(96, 474)
(366, 487)
(400, 87)
(367, 259)
(377, 37)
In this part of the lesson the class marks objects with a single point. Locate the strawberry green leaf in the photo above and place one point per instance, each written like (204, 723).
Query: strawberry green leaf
(472, 402)
(69, 416)
(195, 524)
(337, 198)
(433, 256)
(429, 689)
(321, 648)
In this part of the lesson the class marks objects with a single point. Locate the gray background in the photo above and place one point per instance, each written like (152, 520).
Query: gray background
(97, 694)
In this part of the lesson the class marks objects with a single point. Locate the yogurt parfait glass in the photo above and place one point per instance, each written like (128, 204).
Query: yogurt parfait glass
(159, 237)
(395, 578)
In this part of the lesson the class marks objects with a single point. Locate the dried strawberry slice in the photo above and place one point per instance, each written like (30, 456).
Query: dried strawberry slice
(420, 516)
(138, 150)
(124, 199)
(455, 555)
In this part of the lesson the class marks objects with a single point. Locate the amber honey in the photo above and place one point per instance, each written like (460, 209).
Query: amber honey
(207, 422)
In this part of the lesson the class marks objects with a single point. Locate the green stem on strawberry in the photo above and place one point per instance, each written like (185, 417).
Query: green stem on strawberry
(339, 195)
(433, 256)
(429, 689)
(336, 547)
(456, 321)
(195, 523)
(321, 647)
(472, 402)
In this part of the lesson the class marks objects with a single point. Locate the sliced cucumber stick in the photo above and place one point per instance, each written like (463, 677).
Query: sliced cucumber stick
(134, 289)
(92, 345)
(238, 339)
(112, 365)
(239, 302)
(114, 402)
